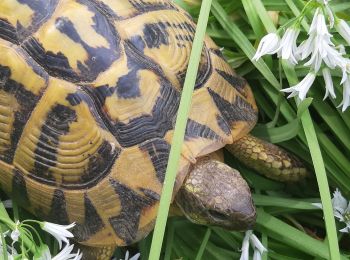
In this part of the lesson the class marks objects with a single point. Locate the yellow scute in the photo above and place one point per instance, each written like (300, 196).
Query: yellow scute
(15, 12)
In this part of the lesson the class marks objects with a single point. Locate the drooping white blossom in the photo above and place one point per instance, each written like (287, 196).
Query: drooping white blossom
(302, 87)
(135, 257)
(329, 83)
(66, 254)
(341, 209)
(60, 232)
(269, 44)
(343, 29)
(346, 94)
(258, 247)
(288, 45)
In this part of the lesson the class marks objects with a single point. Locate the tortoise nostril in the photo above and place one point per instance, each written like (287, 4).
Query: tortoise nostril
(217, 215)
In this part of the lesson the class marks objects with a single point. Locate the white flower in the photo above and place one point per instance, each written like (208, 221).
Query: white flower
(329, 83)
(330, 16)
(288, 45)
(258, 247)
(135, 257)
(15, 233)
(269, 44)
(343, 29)
(66, 254)
(320, 46)
(303, 87)
(346, 94)
(60, 232)
(341, 209)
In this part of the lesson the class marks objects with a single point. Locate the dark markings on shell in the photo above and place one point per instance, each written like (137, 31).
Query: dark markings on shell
(223, 125)
(239, 110)
(237, 82)
(128, 86)
(204, 71)
(217, 52)
(99, 58)
(8, 31)
(56, 124)
(196, 130)
(43, 10)
(58, 209)
(152, 126)
(99, 164)
(104, 9)
(81, 95)
(143, 6)
(148, 126)
(138, 42)
(99, 95)
(19, 189)
(137, 60)
(158, 150)
(56, 65)
(126, 224)
(150, 194)
(92, 222)
(155, 34)
(27, 101)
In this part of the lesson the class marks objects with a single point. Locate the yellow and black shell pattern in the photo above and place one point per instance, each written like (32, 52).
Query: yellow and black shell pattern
(89, 92)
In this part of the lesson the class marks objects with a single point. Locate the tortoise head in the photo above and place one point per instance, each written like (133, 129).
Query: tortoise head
(215, 194)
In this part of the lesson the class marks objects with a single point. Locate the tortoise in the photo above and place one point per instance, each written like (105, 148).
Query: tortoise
(89, 92)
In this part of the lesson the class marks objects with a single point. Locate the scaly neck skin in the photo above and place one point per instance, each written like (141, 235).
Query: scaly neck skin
(215, 194)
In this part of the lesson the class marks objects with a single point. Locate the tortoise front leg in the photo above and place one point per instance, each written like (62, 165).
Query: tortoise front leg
(268, 159)
(96, 253)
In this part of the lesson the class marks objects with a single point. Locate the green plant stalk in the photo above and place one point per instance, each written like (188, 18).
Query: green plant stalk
(179, 132)
(4, 217)
(321, 175)
(3, 244)
(204, 244)
(277, 229)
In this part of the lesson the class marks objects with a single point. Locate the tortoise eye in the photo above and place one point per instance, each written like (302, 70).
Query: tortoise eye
(217, 215)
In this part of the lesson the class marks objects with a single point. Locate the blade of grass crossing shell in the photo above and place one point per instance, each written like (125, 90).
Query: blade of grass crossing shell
(179, 131)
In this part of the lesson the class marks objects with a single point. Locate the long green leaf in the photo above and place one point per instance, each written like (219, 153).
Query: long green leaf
(179, 132)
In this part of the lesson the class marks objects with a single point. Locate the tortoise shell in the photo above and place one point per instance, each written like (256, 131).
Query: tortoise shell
(89, 91)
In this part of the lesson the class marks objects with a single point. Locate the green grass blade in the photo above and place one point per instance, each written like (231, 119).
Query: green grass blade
(179, 131)
(320, 171)
(263, 200)
(203, 245)
(277, 229)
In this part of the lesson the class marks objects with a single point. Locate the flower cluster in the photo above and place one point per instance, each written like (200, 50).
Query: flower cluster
(341, 209)
(319, 48)
(258, 247)
(19, 233)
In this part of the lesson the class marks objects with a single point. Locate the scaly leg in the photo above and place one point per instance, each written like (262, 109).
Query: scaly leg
(268, 159)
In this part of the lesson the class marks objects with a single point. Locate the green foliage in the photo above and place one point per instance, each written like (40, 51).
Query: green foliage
(317, 132)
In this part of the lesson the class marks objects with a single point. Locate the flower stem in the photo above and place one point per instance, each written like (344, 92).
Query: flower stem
(3, 242)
